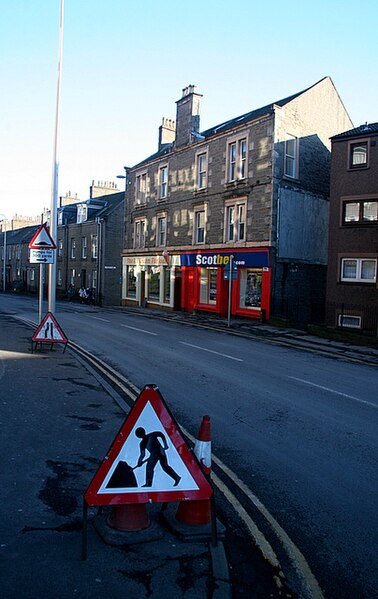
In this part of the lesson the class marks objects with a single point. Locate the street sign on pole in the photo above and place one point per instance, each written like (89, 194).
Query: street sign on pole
(41, 256)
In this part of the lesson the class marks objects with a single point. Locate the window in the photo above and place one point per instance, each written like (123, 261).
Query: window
(60, 248)
(18, 252)
(237, 160)
(59, 277)
(131, 281)
(167, 284)
(140, 233)
(360, 212)
(153, 276)
(202, 171)
(73, 248)
(94, 279)
(163, 182)
(141, 188)
(235, 215)
(199, 226)
(208, 285)
(291, 151)
(250, 288)
(82, 213)
(361, 270)
(94, 247)
(32, 275)
(349, 321)
(161, 230)
(72, 276)
(84, 248)
(358, 154)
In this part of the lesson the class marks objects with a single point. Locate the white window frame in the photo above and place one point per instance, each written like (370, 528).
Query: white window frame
(140, 231)
(163, 182)
(237, 159)
(141, 188)
(201, 169)
(291, 157)
(73, 248)
(161, 232)
(60, 248)
(354, 144)
(94, 247)
(235, 221)
(198, 211)
(342, 321)
(59, 277)
(359, 264)
(84, 247)
(82, 213)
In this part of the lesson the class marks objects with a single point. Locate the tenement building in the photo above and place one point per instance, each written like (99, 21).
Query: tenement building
(352, 285)
(235, 217)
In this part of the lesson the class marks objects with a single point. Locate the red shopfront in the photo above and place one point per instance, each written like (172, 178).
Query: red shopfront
(206, 288)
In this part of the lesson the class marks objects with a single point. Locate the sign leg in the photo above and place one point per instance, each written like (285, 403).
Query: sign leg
(85, 531)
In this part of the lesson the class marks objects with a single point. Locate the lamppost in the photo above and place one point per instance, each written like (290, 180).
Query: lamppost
(4, 253)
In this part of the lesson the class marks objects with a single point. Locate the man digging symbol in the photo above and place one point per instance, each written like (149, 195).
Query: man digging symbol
(156, 448)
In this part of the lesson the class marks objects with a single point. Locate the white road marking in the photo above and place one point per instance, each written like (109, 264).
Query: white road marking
(211, 351)
(369, 403)
(98, 318)
(136, 329)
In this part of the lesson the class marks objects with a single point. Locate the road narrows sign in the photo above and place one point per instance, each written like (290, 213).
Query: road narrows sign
(49, 331)
(149, 460)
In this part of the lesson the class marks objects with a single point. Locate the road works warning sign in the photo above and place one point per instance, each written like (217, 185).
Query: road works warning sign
(149, 460)
(49, 331)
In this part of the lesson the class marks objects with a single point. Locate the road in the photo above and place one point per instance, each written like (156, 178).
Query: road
(298, 428)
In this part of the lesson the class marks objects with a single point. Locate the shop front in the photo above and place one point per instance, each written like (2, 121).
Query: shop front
(148, 281)
(213, 279)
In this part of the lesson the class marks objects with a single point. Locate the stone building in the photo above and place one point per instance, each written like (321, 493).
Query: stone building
(246, 200)
(16, 271)
(352, 283)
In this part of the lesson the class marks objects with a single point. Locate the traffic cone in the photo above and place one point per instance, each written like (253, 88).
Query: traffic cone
(129, 518)
(198, 512)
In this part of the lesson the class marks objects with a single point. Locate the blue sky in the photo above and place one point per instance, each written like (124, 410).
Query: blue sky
(125, 64)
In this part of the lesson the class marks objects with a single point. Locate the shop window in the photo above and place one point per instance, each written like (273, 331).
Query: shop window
(167, 284)
(153, 283)
(250, 288)
(208, 285)
(131, 282)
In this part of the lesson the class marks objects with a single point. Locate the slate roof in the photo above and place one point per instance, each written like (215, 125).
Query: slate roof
(366, 129)
(20, 236)
(235, 122)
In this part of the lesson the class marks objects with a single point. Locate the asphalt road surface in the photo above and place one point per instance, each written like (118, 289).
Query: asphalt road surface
(298, 428)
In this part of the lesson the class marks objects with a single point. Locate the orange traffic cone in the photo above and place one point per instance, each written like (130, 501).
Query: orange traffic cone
(198, 512)
(131, 517)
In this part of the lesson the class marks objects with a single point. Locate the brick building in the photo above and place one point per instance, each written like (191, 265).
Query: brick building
(352, 285)
(252, 192)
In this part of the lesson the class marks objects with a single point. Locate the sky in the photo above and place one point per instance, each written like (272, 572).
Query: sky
(125, 64)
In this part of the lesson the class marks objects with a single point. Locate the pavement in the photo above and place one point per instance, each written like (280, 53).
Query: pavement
(58, 422)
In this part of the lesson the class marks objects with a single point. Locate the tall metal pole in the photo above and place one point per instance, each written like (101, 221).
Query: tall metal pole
(5, 259)
(54, 193)
(229, 292)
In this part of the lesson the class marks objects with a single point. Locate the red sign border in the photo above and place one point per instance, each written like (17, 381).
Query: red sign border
(50, 247)
(150, 393)
(39, 328)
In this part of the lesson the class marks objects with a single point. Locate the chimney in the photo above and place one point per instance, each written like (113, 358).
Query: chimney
(187, 116)
(167, 131)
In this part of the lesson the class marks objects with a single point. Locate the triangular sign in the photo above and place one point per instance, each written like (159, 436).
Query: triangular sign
(49, 331)
(42, 240)
(149, 460)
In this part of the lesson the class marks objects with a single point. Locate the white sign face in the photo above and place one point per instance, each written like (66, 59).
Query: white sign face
(148, 461)
(42, 256)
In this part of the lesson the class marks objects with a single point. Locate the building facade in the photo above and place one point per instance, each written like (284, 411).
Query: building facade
(352, 285)
(234, 217)
(16, 271)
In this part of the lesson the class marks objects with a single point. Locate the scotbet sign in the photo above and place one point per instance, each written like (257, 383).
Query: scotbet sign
(217, 259)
